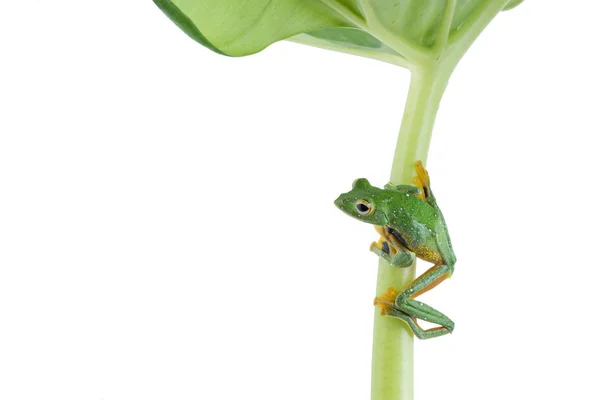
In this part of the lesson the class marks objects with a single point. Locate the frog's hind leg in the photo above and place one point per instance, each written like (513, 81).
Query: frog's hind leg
(422, 182)
(417, 330)
(386, 303)
(405, 301)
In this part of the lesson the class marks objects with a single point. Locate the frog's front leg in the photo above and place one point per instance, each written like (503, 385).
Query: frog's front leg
(400, 259)
(389, 249)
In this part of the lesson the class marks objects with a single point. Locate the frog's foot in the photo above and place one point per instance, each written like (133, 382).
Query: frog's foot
(384, 243)
(384, 248)
(389, 249)
(387, 304)
(422, 180)
(386, 301)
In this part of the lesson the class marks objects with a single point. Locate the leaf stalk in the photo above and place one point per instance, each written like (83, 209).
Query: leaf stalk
(392, 373)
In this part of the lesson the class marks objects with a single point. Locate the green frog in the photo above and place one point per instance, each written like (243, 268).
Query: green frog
(410, 225)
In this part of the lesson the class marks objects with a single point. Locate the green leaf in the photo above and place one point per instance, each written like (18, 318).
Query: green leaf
(403, 32)
(184, 23)
(239, 28)
(352, 41)
(423, 22)
(349, 37)
(512, 4)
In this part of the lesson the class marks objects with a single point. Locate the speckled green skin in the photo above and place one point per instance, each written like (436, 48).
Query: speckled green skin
(413, 225)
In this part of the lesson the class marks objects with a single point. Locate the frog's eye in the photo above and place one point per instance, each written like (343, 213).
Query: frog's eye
(363, 207)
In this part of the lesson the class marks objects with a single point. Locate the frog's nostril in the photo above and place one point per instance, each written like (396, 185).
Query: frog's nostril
(339, 201)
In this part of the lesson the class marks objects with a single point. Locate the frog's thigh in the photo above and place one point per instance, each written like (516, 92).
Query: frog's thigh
(445, 248)
(433, 283)
(428, 280)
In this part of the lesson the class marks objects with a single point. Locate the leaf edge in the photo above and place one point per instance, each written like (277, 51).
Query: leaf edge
(186, 24)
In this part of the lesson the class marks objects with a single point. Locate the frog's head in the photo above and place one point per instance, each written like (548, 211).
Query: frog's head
(362, 203)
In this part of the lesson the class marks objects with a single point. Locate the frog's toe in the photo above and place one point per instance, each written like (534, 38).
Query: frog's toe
(386, 300)
(382, 247)
(385, 247)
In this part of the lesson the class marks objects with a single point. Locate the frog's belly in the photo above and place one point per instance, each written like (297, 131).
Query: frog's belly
(427, 253)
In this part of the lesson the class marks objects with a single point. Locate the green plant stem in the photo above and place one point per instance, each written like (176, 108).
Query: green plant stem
(427, 86)
(392, 365)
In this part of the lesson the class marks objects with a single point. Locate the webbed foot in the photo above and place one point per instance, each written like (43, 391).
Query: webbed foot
(422, 180)
(387, 301)
(389, 249)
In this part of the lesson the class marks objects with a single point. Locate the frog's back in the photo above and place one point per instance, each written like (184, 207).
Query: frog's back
(407, 209)
(416, 224)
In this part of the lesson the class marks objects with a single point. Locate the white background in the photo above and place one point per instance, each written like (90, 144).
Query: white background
(167, 228)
